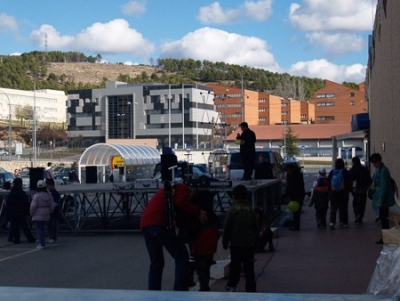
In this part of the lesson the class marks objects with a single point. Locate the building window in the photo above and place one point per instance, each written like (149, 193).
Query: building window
(284, 104)
(352, 103)
(262, 100)
(352, 94)
(327, 95)
(262, 119)
(303, 116)
(284, 113)
(326, 104)
(322, 118)
(262, 110)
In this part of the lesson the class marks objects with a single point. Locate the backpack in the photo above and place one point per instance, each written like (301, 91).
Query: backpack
(337, 180)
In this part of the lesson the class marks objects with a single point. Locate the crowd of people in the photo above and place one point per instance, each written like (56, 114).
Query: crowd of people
(181, 220)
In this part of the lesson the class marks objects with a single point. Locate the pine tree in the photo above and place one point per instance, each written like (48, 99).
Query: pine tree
(290, 139)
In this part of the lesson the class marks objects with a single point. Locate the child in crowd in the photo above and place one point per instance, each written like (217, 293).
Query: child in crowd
(241, 236)
(42, 206)
(205, 242)
(265, 234)
(320, 198)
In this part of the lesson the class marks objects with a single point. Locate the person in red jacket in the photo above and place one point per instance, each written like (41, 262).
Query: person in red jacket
(205, 242)
(157, 236)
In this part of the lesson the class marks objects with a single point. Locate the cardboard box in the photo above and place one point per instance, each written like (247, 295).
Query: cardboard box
(220, 270)
(147, 183)
(391, 236)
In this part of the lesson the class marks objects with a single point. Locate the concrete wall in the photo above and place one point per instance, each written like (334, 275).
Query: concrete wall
(383, 87)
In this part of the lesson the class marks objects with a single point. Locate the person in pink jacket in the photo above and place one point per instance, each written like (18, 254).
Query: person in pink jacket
(42, 206)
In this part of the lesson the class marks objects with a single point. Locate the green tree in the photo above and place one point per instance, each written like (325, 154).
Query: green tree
(291, 140)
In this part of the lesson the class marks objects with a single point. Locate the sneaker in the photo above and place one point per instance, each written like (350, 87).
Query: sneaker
(52, 241)
(332, 226)
(230, 288)
(39, 247)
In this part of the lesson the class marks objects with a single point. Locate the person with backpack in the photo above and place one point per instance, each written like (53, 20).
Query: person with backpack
(361, 182)
(383, 196)
(320, 198)
(340, 186)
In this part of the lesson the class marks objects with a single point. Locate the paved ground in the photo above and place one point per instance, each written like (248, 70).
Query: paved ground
(327, 261)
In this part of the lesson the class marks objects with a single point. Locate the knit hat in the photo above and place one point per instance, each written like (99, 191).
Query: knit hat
(322, 171)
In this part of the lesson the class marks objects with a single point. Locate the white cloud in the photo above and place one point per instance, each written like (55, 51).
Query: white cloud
(113, 37)
(221, 46)
(337, 44)
(260, 10)
(327, 70)
(333, 15)
(215, 14)
(333, 25)
(134, 8)
(7, 23)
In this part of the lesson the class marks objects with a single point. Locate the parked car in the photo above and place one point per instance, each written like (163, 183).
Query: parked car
(291, 161)
(6, 177)
(3, 152)
(62, 175)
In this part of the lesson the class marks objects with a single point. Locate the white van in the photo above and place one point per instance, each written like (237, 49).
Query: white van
(227, 164)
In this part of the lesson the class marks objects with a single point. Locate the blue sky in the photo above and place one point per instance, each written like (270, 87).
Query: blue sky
(316, 38)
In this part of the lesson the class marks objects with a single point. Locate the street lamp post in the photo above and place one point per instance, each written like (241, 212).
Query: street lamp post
(169, 115)
(9, 125)
(34, 120)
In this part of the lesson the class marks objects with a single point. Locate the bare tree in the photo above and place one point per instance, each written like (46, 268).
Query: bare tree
(300, 89)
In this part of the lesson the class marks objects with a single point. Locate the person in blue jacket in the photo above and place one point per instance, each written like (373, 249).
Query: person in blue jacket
(383, 196)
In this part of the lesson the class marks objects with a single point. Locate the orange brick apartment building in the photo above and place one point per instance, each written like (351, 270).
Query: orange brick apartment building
(334, 103)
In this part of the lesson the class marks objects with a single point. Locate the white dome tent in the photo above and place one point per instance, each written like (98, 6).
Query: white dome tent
(101, 155)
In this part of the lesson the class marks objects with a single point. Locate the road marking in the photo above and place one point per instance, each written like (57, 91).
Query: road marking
(17, 255)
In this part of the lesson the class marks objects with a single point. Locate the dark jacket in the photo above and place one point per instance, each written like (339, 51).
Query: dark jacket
(17, 203)
(240, 226)
(360, 175)
(263, 170)
(57, 199)
(295, 185)
(248, 143)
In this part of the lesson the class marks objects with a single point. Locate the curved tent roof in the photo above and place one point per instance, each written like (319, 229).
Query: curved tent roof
(99, 154)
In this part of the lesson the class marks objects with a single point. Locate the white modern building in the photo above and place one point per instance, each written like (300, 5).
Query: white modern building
(50, 104)
(177, 115)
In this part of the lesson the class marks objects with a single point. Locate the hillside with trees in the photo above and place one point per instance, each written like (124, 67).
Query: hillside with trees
(74, 70)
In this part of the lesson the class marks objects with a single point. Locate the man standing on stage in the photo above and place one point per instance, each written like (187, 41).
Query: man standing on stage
(247, 149)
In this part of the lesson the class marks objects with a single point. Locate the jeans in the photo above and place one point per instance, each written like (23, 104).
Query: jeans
(40, 232)
(156, 238)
